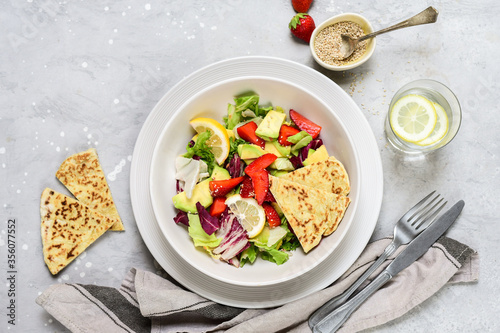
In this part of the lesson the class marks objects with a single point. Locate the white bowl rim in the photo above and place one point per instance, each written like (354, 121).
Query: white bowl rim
(335, 19)
(352, 206)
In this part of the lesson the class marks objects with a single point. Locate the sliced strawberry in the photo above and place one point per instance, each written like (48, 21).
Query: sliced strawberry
(247, 133)
(218, 206)
(273, 219)
(269, 197)
(246, 190)
(285, 132)
(305, 124)
(260, 182)
(260, 163)
(220, 188)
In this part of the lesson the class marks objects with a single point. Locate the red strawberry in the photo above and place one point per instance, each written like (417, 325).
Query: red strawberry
(246, 190)
(218, 206)
(271, 215)
(285, 132)
(305, 124)
(247, 133)
(302, 26)
(269, 197)
(219, 188)
(260, 182)
(260, 163)
(301, 6)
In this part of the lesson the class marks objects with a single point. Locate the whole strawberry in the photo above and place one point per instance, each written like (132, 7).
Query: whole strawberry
(302, 26)
(301, 6)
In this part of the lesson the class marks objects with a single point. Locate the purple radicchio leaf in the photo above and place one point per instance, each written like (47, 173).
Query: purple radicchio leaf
(182, 217)
(235, 167)
(314, 144)
(296, 162)
(178, 186)
(208, 222)
(234, 239)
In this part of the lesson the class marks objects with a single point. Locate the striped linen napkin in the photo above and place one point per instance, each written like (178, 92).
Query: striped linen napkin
(147, 302)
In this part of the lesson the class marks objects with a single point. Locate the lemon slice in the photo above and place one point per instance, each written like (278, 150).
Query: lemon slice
(441, 127)
(218, 142)
(250, 214)
(413, 118)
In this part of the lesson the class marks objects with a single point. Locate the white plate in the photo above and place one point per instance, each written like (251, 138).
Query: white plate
(212, 102)
(356, 238)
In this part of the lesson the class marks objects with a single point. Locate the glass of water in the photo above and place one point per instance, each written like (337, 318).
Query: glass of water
(439, 94)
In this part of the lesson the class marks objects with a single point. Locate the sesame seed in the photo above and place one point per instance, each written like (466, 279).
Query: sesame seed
(327, 43)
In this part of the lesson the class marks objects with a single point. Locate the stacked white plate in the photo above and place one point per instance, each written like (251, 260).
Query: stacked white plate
(346, 134)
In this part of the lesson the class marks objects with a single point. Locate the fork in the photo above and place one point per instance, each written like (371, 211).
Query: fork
(412, 223)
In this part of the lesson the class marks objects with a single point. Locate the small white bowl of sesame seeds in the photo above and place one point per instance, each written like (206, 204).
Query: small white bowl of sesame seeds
(325, 41)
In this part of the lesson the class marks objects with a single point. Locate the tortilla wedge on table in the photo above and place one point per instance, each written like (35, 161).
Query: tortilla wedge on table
(68, 227)
(83, 176)
(329, 175)
(307, 209)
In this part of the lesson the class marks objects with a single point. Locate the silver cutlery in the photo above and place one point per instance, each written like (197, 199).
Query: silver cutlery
(410, 254)
(348, 44)
(409, 226)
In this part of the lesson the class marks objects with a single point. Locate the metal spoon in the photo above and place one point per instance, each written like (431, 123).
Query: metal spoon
(348, 44)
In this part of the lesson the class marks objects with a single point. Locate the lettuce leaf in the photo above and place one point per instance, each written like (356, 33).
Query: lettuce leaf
(248, 256)
(202, 150)
(290, 241)
(276, 256)
(199, 236)
(240, 110)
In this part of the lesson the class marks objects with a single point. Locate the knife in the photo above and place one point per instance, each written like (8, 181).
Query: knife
(409, 255)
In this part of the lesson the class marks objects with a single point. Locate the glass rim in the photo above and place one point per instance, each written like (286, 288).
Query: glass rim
(453, 103)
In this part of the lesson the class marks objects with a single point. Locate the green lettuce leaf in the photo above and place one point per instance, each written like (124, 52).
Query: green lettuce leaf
(199, 236)
(202, 150)
(290, 241)
(248, 255)
(276, 256)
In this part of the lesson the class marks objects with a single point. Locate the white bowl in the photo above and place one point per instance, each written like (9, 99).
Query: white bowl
(212, 102)
(356, 18)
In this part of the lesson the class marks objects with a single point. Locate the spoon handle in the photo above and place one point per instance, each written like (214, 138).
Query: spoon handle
(428, 15)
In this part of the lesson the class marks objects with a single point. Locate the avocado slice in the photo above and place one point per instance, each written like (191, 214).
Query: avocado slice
(279, 173)
(319, 154)
(270, 127)
(201, 194)
(283, 150)
(271, 148)
(219, 173)
(249, 151)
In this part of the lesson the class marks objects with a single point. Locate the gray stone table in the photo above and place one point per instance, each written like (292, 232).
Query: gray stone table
(80, 74)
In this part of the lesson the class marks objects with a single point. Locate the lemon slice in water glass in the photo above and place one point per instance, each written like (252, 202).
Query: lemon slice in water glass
(413, 118)
(440, 129)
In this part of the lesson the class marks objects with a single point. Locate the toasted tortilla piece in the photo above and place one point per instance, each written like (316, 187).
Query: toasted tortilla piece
(68, 227)
(82, 174)
(307, 209)
(337, 211)
(329, 175)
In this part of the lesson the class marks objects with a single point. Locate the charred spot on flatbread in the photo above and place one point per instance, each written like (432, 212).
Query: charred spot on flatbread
(307, 209)
(83, 176)
(68, 227)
